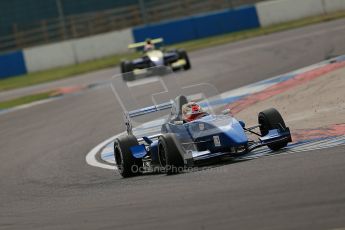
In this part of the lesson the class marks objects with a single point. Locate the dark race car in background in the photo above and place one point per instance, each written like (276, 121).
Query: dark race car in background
(176, 59)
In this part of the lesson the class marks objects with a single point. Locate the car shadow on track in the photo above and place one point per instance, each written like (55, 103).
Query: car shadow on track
(218, 163)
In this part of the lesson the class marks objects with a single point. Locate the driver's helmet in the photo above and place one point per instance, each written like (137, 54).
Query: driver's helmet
(149, 45)
(192, 111)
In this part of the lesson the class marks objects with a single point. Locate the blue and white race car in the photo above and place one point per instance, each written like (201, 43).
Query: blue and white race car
(181, 143)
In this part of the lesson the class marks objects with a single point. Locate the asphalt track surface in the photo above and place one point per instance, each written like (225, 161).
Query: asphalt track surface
(46, 183)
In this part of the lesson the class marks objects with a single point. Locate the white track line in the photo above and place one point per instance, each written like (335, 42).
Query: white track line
(91, 156)
(301, 147)
(252, 88)
(25, 106)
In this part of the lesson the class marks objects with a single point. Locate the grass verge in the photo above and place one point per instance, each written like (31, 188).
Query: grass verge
(24, 100)
(71, 71)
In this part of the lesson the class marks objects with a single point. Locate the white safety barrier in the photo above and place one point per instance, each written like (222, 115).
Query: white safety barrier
(98, 46)
(103, 45)
(77, 50)
(274, 12)
(334, 5)
(49, 56)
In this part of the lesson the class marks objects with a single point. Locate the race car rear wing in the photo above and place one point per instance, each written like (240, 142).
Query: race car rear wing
(150, 109)
(139, 112)
(142, 44)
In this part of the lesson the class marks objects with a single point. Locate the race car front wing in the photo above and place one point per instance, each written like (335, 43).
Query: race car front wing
(192, 157)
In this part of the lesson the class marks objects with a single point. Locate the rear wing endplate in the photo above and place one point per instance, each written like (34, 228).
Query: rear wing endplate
(150, 109)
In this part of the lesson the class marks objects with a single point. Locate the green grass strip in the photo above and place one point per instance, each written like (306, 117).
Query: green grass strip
(24, 100)
(74, 70)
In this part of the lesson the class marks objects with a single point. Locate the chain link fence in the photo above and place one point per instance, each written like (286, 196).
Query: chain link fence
(63, 27)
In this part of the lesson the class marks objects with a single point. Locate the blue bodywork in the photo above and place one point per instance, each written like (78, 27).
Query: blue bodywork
(209, 137)
(203, 130)
(138, 151)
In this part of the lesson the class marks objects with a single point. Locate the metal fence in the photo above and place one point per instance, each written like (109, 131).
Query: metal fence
(86, 24)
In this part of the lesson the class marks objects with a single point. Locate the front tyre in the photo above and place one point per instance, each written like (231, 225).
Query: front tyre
(169, 154)
(127, 164)
(183, 55)
(271, 119)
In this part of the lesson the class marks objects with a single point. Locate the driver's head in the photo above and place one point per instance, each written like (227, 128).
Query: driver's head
(148, 41)
(149, 45)
(192, 111)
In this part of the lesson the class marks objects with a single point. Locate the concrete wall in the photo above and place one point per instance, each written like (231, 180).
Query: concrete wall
(334, 5)
(194, 27)
(76, 51)
(273, 12)
(90, 48)
(102, 45)
(49, 56)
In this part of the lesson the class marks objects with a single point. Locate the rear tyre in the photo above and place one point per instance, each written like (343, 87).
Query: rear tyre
(169, 154)
(271, 119)
(123, 67)
(127, 164)
(183, 54)
(127, 69)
